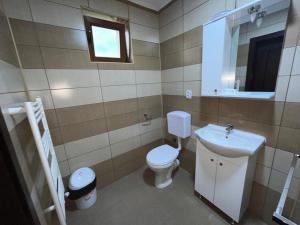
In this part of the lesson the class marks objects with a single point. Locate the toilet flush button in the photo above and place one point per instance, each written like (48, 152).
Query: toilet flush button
(188, 94)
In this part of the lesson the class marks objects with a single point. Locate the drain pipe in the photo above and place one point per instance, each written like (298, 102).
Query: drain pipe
(179, 144)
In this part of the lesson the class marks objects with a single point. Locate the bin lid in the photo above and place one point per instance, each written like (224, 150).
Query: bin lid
(81, 178)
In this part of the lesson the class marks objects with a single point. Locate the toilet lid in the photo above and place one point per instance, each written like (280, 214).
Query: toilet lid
(162, 155)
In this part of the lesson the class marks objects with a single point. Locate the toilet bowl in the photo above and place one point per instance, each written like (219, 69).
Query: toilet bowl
(163, 160)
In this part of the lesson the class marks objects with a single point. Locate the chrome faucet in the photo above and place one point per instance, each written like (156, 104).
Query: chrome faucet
(229, 128)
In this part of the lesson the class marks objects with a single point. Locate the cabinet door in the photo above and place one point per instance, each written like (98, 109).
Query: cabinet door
(205, 173)
(229, 188)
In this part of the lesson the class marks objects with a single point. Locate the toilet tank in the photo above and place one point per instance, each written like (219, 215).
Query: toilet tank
(179, 123)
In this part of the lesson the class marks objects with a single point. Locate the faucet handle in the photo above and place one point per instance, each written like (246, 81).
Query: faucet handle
(229, 126)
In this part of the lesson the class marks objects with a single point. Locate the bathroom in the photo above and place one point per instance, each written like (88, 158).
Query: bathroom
(110, 115)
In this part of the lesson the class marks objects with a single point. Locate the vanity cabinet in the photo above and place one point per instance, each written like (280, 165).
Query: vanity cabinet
(225, 182)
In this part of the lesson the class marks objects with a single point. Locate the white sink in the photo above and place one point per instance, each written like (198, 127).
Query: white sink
(237, 144)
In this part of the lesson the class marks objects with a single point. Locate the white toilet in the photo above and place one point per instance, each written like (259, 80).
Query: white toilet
(163, 159)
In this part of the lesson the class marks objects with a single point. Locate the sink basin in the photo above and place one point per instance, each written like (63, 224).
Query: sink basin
(237, 144)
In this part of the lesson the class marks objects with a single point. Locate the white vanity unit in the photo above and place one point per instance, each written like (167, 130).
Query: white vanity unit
(225, 166)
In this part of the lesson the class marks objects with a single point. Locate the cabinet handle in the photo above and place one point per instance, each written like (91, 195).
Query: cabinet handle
(221, 164)
(211, 160)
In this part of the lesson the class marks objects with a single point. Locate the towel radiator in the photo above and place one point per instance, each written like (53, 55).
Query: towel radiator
(277, 215)
(40, 130)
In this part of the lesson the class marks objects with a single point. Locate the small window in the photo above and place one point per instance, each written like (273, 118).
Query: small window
(106, 40)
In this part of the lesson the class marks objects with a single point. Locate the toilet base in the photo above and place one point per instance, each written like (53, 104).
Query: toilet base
(164, 184)
(163, 177)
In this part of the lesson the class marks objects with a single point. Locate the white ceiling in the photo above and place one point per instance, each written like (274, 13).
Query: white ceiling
(152, 4)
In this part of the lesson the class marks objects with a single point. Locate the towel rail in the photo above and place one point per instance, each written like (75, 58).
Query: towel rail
(277, 215)
(40, 130)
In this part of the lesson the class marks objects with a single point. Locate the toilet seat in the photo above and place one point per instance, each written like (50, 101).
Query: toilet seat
(162, 156)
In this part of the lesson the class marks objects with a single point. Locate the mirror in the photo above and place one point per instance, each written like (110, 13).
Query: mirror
(256, 47)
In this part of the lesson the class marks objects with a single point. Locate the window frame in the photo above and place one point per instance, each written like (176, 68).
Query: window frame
(91, 21)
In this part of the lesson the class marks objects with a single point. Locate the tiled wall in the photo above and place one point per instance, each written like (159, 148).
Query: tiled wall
(13, 90)
(278, 120)
(95, 110)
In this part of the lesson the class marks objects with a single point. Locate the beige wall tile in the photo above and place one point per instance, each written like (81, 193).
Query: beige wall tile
(120, 107)
(172, 75)
(171, 30)
(18, 9)
(64, 168)
(79, 96)
(151, 136)
(125, 146)
(192, 72)
(90, 158)
(85, 145)
(268, 112)
(145, 48)
(144, 33)
(144, 90)
(60, 153)
(123, 133)
(35, 79)
(154, 125)
(117, 77)
(24, 32)
(291, 115)
(293, 94)
(265, 156)
(122, 120)
(281, 88)
(65, 78)
(80, 113)
(114, 93)
(292, 32)
(150, 102)
(282, 162)
(10, 78)
(82, 130)
(171, 13)
(46, 98)
(146, 63)
(296, 64)
(61, 37)
(111, 7)
(56, 14)
(174, 88)
(30, 57)
(172, 60)
(193, 38)
(55, 58)
(192, 4)
(203, 14)
(286, 61)
(146, 76)
(72, 3)
(262, 174)
(193, 56)
(143, 17)
(289, 139)
(172, 45)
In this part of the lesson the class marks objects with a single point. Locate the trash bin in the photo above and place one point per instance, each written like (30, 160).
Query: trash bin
(82, 187)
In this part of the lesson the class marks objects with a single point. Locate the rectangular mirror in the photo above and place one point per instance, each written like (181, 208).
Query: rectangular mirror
(242, 50)
(257, 43)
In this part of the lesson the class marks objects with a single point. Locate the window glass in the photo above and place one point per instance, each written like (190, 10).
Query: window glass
(106, 42)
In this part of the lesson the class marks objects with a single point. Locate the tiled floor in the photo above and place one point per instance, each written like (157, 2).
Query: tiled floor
(134, 201)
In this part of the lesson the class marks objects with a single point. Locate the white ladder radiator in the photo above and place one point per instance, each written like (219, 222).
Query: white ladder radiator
(40, 130)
